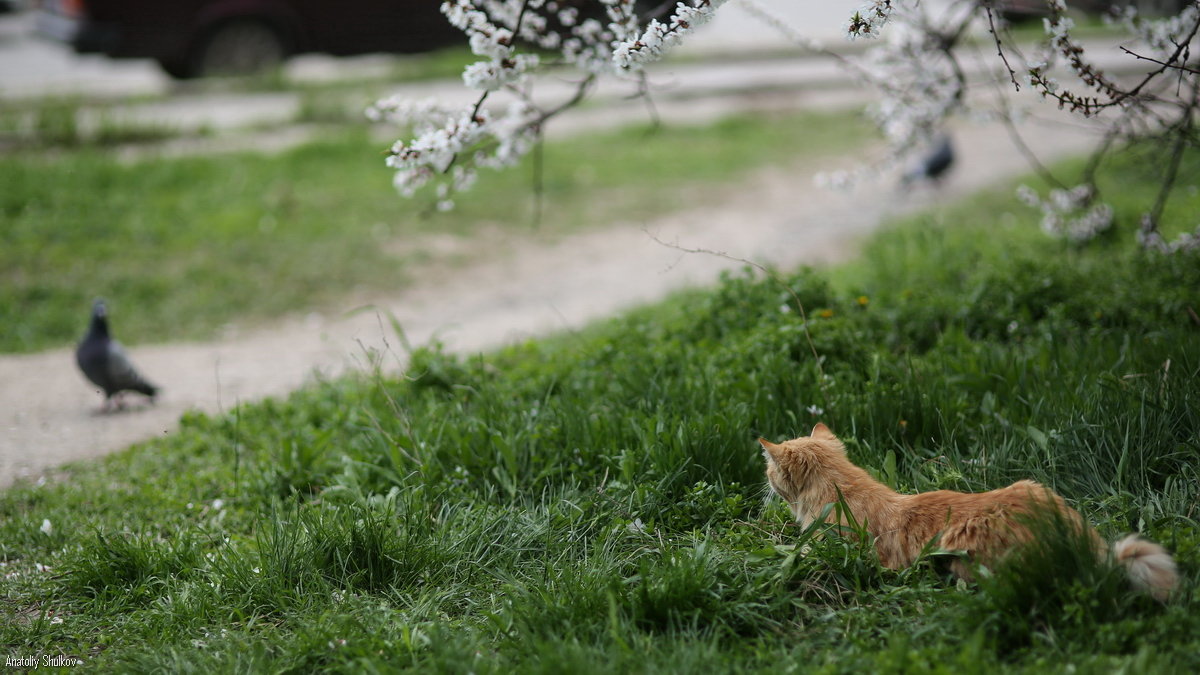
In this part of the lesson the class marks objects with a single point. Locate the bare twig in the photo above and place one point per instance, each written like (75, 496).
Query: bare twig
(539, 181)
(581, 91)
(1012, 74)
(1019, 141)
(1180, 141)
(1093, 78)
(773, 276)
(652, 110)
(1165, 65)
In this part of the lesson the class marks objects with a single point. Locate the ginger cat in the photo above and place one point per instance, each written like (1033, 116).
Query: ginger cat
(809, 472)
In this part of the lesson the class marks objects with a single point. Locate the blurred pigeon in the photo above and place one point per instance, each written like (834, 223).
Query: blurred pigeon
(104, 362)
(933, 165)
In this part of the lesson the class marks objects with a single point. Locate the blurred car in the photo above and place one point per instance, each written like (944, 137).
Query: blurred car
(1017, 10)
(1030, 9)
(191, 38)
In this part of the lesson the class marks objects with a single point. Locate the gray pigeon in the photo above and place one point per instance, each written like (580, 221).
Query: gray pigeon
(103, 361)
(934, 165)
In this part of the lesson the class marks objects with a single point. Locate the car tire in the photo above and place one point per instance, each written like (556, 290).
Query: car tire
(178, 69)
(239, 48)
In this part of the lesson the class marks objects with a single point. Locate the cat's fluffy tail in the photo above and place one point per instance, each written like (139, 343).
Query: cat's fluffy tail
(1149, 566)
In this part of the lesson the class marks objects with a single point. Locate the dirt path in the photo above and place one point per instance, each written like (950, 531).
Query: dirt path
(47, 413)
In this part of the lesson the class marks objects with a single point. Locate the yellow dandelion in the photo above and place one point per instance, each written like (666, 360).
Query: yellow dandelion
(825, 314)
(863, 300)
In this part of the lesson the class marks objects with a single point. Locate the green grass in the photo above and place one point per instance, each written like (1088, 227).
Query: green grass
(442, 64)
(446, 63)
(181, 247)
(69, 123)
(594, 502)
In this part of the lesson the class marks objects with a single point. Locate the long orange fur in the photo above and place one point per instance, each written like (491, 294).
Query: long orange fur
(811, 471)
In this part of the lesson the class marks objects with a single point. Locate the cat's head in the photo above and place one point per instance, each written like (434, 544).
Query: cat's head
(793, 464)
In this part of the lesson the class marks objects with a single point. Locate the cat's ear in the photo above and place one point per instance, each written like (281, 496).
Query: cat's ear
(770, 450)
(822, 432)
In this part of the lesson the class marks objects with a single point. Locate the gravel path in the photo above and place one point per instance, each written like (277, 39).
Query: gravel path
(519, 289)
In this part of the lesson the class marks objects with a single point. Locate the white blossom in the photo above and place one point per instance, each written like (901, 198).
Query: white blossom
(448, 145)
(869, 20)
(1073, 214)
(1149, 238)
(1161, 35)
(913, 64)
(658, 38)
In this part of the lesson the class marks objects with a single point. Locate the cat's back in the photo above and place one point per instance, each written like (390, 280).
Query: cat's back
(1020, 496)
(1030, 494)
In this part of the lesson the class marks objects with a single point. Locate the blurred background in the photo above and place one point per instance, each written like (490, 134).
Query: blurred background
(206, 167)
(47, 44)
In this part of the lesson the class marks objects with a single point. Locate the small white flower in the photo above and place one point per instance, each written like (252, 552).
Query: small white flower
(47, 527)
(637, 51)
(218, 504)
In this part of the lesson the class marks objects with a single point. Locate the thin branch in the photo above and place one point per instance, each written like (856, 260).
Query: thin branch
(581, 91)
(1093, 78)
(960, 76)
(1006, 117)
(1012, 74)
(1165, 65)
(1040, 169)
(651, 109)
(773, 277)
(539, 181)
(1180, 142)
(476, 120)
(520, 17)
